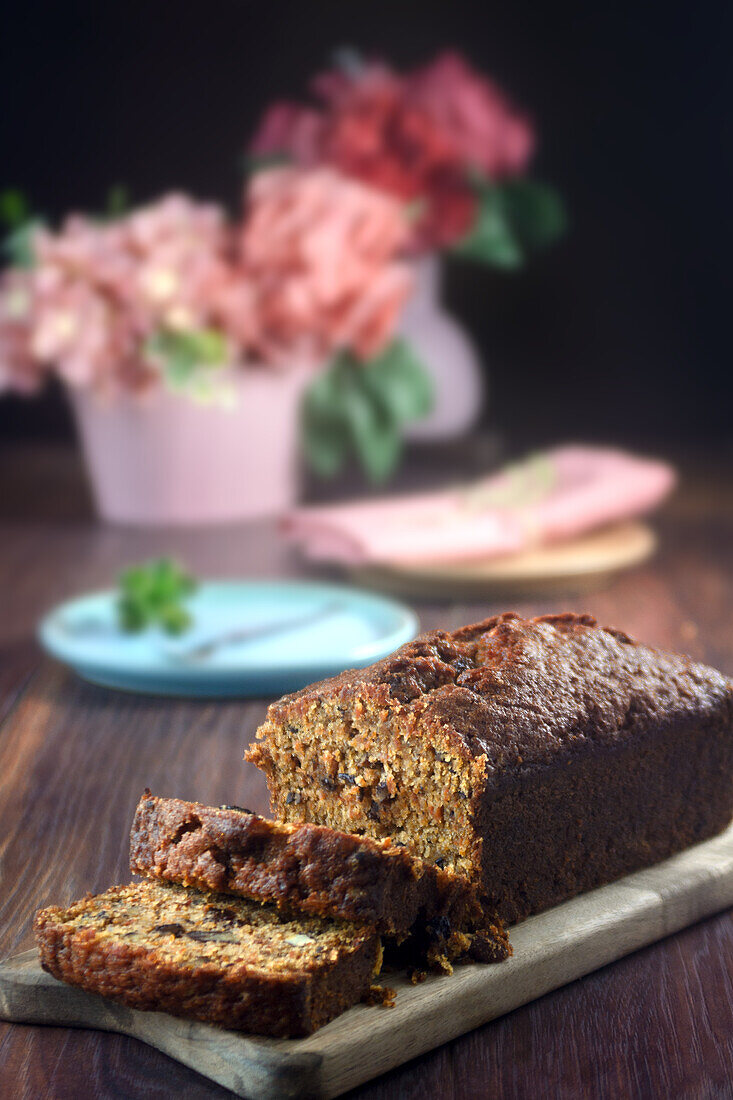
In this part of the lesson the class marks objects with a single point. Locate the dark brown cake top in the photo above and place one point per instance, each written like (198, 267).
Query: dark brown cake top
(517, 690)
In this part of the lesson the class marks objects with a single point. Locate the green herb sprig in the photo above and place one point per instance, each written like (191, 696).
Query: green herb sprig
(154, 594)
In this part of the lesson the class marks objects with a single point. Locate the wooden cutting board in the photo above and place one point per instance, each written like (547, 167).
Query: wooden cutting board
(578, 564)
(549, 950)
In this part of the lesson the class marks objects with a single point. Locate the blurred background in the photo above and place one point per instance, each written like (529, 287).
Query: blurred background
(618, 332)
(611, 123)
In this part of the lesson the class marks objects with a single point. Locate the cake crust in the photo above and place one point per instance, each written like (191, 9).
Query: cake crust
(519, 691)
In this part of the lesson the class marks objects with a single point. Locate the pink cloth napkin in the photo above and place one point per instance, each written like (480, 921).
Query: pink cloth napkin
(544, 498)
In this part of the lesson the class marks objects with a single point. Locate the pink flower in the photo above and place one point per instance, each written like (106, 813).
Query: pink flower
(80, 323)
(178, 252)
(98, 290)
(234, 310)
(311, 271)
(288, 126)
(319, 251)
(18, 368)
(485, 130)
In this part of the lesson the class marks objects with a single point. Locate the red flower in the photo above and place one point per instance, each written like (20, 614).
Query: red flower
(373, 133)
(415, 137)
(485, 131)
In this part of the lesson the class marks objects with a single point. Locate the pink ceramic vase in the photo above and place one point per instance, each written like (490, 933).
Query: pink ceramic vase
(166, 459)
(447, 354)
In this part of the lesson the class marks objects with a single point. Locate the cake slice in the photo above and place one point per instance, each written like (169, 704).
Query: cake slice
(220, 959)
(538, 757)
(315, 870)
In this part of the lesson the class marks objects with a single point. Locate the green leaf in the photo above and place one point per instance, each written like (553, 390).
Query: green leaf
(379, 449)
(186, 358)
(535, 211)
(325, 431)
(400, 382)
(174, 619)
(375, 434)
(192, 347)
(153, 594)
(325, 448)
(259, 162)
(360, 408)
(18, 245)
(325, 390)
(325, 444)
(15, 214)
(14, 208)
(131, 617)
(207, 345)
(491, 239)
(118, 200)
(512, 218)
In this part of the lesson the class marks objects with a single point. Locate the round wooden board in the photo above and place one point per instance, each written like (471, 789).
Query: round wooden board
(577, 565)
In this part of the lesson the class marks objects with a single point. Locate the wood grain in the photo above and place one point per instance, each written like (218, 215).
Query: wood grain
(551, 949)
(658, 1023)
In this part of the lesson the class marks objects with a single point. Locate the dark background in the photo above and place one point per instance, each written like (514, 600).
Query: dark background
(620, 332)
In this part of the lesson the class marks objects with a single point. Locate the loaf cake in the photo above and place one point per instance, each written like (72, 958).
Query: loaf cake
(220, 959)
(538, 757)
(315, 870)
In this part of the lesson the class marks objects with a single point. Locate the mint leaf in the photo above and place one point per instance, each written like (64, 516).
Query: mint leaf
(153, 594)
(132, 618)
(174, 619)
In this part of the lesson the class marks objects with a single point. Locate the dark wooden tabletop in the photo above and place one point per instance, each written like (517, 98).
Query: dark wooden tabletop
(74, 759)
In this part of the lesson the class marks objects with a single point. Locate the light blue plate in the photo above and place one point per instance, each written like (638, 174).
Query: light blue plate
(249, 638)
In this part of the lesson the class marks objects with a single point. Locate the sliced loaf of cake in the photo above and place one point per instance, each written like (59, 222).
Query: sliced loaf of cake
(538, 757)
(314, 870)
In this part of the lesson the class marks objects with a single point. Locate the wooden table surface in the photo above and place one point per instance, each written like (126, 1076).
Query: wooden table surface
(74, 759)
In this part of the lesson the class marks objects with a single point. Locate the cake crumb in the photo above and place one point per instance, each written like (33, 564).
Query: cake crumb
(381, 995)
